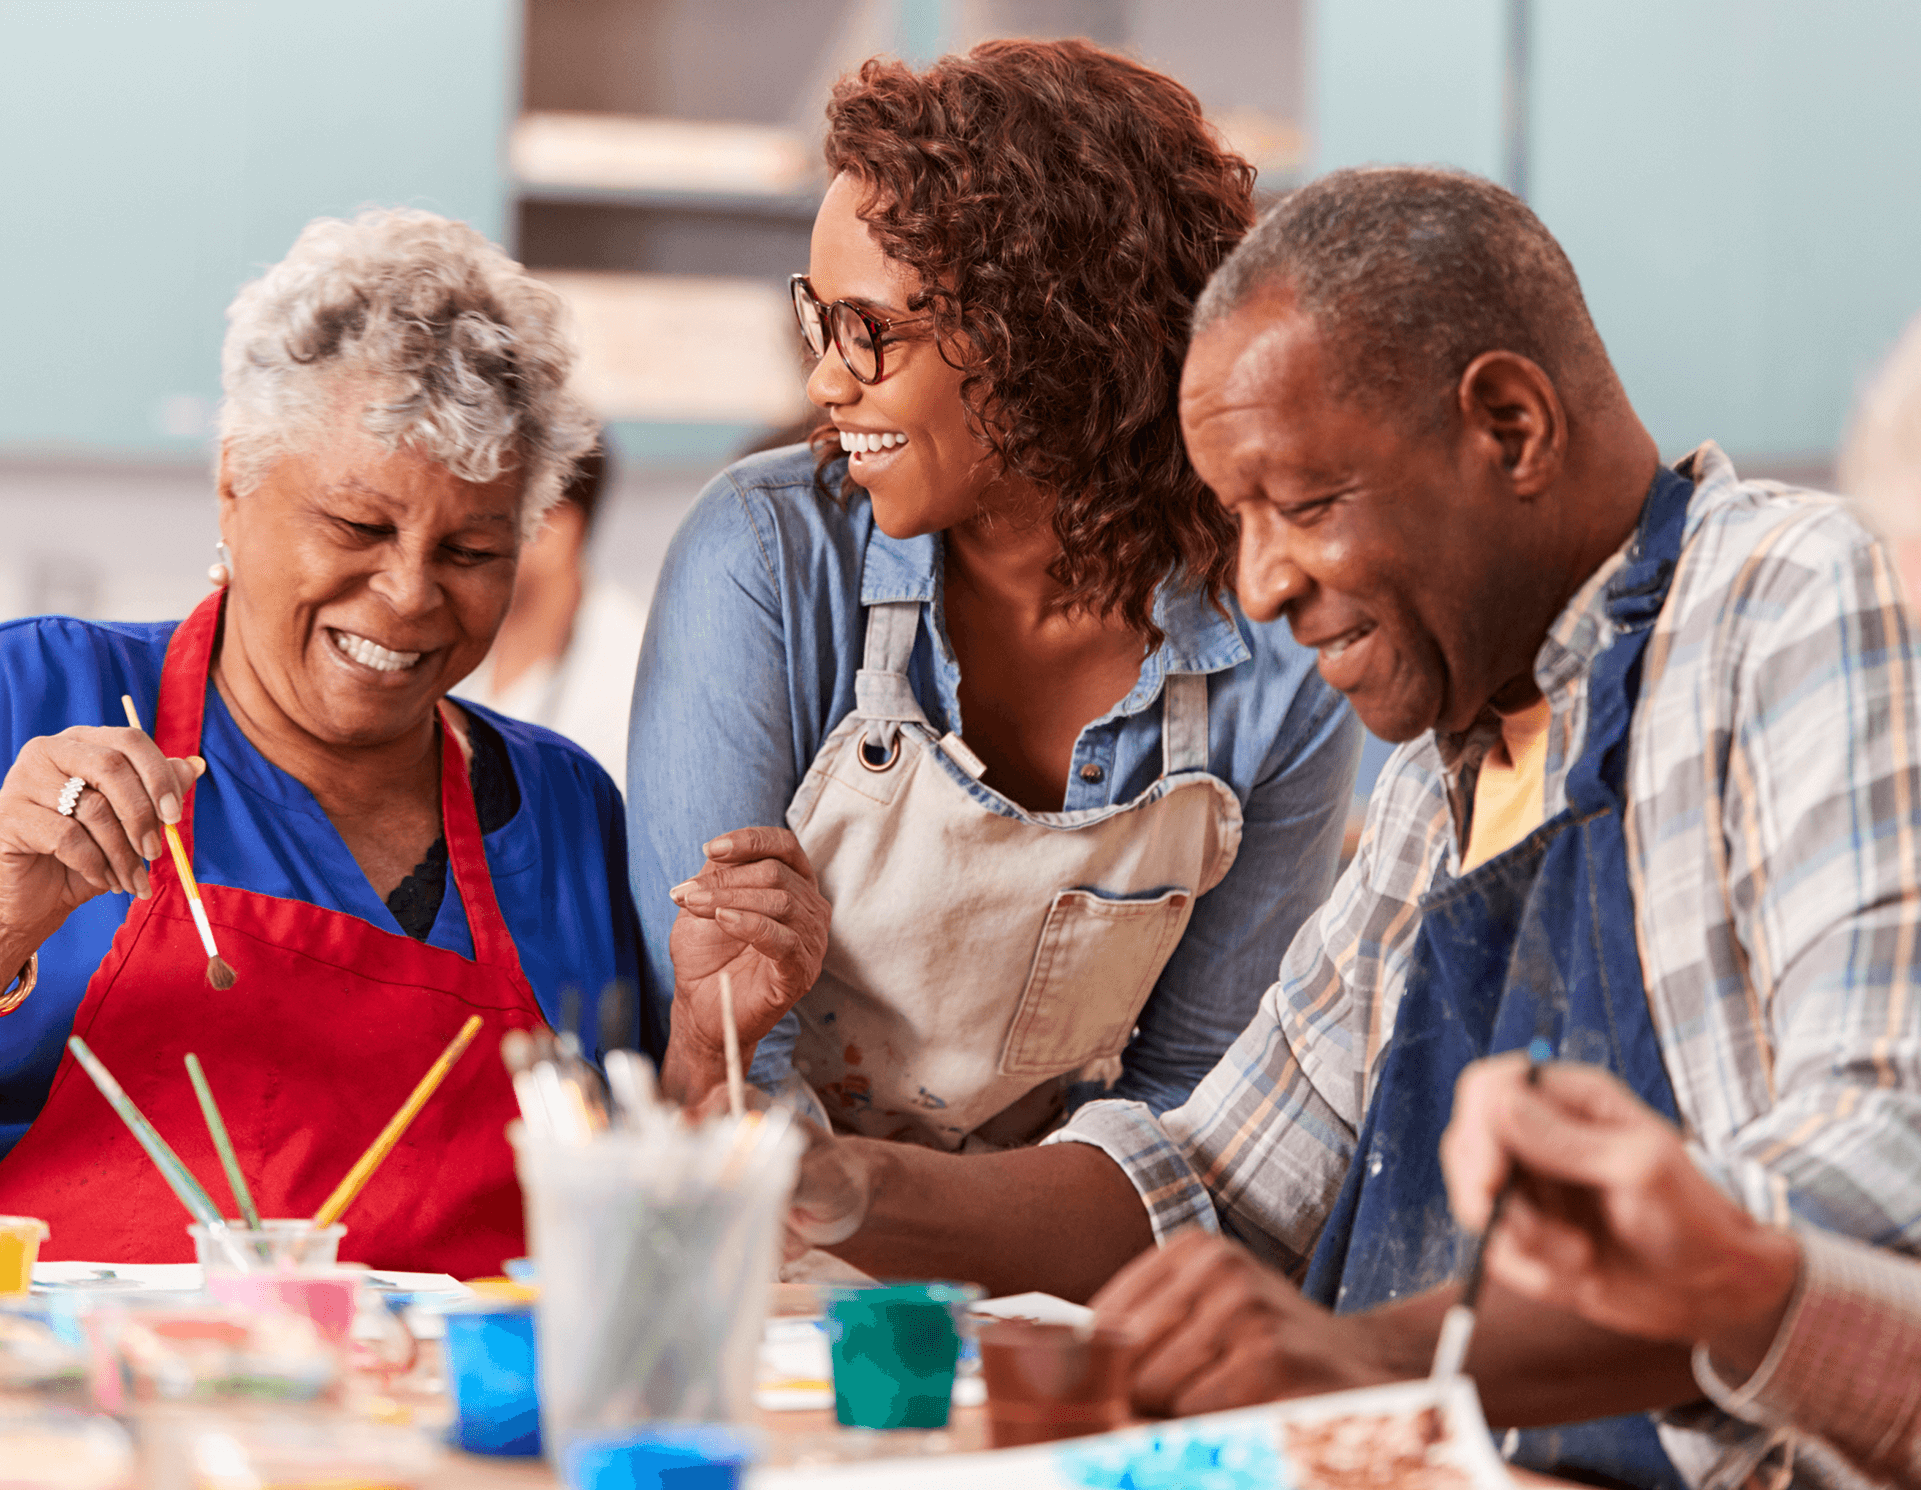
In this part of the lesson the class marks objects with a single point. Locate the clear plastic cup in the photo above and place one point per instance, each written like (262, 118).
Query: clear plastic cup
(657, 1250)
(327, 1296)
(20, 1239)
(281, 1243)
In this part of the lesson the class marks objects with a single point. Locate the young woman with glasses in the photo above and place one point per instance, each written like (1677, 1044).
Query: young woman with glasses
(968, 670)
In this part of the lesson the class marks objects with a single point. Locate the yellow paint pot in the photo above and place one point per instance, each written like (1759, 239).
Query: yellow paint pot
(20, 1239)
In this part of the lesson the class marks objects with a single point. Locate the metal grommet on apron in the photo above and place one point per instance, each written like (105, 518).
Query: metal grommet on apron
(888, 754)
(981, 955)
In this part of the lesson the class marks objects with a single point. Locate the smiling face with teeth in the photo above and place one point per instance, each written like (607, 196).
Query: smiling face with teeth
(906, 436)
(1420, 563)
(366, 583)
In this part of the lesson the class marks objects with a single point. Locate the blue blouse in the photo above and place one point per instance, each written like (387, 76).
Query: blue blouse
(557, 864)
(756, 634)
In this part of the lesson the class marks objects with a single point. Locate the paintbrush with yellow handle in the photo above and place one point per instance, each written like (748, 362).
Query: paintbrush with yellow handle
(368, 1162)
(220, 972)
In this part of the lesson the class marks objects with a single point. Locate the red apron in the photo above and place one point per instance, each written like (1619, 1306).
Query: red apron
(318, 1044)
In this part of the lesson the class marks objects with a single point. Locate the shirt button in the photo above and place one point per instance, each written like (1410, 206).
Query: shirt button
(1092, 773)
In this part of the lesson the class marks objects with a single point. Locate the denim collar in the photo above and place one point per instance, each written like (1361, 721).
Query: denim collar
(1580, 634)
(1199, 638)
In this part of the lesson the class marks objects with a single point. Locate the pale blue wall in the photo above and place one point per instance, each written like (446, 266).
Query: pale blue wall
(1411, 81)
(154, 154)
(1737, 181)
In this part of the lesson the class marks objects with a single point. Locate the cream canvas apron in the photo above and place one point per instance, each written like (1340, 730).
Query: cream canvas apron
(982, 955)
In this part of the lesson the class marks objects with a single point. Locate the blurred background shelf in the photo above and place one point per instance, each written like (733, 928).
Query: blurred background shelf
(792, 206)
(621, 154)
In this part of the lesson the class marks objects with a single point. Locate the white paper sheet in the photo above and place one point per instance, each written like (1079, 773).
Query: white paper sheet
(186, 1277)
(1042, 1308)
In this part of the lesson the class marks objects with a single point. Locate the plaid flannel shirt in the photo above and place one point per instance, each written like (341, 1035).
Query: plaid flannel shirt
(1774, 815)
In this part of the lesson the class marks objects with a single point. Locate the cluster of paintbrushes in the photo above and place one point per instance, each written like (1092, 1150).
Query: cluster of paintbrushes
(195, 1198)
(562, 1098)
(565, 1100)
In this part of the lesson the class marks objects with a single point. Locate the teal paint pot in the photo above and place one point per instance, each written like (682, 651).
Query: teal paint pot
(894, 1347)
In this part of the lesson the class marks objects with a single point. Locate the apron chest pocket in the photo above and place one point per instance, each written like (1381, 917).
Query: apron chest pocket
(1096, 963)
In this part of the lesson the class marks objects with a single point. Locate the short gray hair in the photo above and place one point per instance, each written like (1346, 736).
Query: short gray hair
(1880, 464)
(466, 354)
(1412, 272)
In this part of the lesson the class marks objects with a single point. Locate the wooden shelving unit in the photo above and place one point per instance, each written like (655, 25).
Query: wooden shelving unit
(667, 150)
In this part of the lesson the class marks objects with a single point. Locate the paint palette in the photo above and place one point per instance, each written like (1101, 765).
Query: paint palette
(1417, 1435)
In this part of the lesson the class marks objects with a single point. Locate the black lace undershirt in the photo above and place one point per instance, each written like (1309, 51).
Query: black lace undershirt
(416, 899)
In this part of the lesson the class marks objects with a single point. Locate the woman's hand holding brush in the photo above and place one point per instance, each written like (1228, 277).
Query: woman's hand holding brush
(52, 862)
(1608, 1216)
(754, 913)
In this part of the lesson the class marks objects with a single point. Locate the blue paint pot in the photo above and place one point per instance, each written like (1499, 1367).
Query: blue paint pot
(491, 1373)
(664, 1456)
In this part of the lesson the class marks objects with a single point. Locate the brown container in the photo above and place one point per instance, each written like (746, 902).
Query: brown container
(1048, 1381)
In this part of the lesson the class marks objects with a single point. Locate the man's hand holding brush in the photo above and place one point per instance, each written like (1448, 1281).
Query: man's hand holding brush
(1608, 1216)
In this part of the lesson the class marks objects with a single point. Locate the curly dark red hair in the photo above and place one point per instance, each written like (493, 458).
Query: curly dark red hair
(1063, 208)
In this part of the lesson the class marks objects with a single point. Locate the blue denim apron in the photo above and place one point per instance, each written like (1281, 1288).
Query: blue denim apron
(1538, 941)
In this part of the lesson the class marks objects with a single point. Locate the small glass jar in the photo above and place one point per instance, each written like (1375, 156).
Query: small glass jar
(279, 1243)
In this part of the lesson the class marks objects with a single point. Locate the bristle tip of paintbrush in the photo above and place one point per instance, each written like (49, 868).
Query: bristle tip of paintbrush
(220, 973)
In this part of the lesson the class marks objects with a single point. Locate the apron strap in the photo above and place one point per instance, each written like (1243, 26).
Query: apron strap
(1183, 723)
(467, 858)
(881, 692)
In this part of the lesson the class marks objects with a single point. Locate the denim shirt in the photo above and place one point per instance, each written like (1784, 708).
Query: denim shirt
(756, 635)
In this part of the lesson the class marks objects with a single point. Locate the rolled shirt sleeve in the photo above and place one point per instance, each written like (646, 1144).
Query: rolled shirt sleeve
(1846, 1363)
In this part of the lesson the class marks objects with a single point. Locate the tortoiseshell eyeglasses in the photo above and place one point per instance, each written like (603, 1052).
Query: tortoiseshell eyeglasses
(858, 335)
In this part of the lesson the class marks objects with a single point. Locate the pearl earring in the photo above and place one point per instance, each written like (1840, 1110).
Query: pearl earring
(221, 571)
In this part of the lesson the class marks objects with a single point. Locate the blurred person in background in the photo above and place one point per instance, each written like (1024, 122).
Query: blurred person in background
(1880, 463)
(565, 655)
(376, 863)
(1611, 1216)
(970, 668)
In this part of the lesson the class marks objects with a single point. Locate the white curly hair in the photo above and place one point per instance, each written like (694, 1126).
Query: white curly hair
(466, 355)
(1880, 463)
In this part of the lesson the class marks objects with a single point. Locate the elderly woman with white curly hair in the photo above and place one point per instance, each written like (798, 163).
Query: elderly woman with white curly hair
(376, 863)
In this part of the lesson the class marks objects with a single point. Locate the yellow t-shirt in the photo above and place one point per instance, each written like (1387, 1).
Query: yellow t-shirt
(1510, 795)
